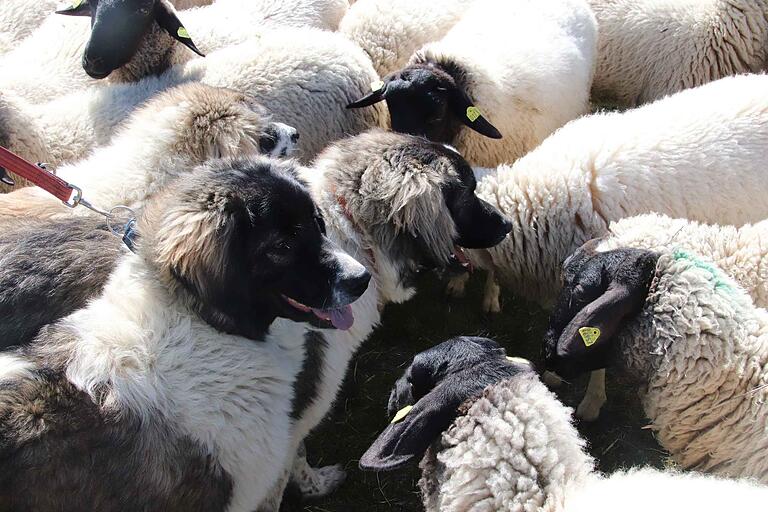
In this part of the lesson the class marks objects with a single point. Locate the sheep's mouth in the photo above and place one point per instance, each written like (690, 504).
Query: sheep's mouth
(338, 318)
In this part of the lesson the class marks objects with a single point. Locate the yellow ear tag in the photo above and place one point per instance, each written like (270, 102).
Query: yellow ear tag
(375, 86)
(402, 413)
(76, 4)
(182, 32)
(589, 335)
(473, 113)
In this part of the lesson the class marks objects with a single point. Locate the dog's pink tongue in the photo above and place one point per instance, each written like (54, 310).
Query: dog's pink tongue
(341, 318)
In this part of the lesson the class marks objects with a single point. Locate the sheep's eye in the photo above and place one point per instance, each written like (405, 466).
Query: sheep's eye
(267, 143)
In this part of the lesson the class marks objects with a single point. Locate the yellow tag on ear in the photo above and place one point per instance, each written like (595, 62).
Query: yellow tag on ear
(473, 113)
(589, 335)
(76, 4)
(375, 86)
(182, 32)
(402, 413)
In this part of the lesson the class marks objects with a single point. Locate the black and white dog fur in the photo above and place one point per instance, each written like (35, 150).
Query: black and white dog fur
(396, 202)
(174, 389)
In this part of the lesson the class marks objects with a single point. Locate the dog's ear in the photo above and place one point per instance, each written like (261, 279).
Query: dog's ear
(168, 21)
(76, 8)
(413, 430)
(462, 107)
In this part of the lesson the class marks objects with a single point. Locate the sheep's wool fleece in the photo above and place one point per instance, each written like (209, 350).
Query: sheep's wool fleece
(701, 346)
(651, 48)
(515, 449)
(529, 66)
(698, 154)
(742, 253)
(390, 36)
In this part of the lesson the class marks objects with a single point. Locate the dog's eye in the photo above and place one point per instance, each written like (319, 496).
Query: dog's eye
(267, 143)
(320, 223)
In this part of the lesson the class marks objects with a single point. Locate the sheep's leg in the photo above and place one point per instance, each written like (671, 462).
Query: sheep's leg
(594, 398)
(491, 295)
(315, 482)
(457, 285)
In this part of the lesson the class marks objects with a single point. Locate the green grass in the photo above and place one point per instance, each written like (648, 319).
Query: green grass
(617, 439)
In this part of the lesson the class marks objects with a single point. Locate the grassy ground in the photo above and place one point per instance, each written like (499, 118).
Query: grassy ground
(617, 439)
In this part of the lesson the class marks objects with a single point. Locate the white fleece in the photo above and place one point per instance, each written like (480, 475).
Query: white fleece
(651, 48)
(529, 66)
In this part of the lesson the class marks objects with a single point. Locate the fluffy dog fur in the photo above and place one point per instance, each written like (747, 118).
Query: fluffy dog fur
(406, 204)
(174, 389)
(175, 131)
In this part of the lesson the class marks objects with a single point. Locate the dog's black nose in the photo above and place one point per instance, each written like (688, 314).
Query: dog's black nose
(295, 137)
(356, 286)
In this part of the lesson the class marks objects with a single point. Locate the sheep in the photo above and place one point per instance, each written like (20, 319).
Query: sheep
(390, 31)
(652, 48)
(696, 154)
(687, 334)
(526, 64)
(48, 64)
(176, 130)
(742, 253)
(18, 18)
(494, 438)
(306, 76)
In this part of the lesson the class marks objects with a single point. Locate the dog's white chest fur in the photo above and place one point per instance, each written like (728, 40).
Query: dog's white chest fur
(230, 394)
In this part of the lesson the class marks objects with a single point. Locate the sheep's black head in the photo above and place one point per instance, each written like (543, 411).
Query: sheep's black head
(117, 29)
(601, 291)
(424, 99)
(426, 399)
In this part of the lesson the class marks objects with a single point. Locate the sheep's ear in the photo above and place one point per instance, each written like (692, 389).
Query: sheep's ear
(76, 8)
(168, 20)
(410, 433)
(379, 93)
(471, 116)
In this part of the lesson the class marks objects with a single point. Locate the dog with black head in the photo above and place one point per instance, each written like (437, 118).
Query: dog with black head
(400, 204)
(174, 388)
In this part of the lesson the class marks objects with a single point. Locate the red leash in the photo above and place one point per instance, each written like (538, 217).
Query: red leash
(37, 174)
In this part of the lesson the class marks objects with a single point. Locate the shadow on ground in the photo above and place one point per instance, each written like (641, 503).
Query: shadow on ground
(617, 439)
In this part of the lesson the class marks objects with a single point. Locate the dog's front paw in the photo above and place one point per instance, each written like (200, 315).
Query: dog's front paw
(320, 482)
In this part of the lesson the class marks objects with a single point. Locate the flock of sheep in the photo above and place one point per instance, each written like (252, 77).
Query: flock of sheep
(645, 229)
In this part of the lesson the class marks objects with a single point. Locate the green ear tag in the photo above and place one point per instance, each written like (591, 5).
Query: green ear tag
(473, 113)
(378, 85)
(589, 335)
(182, 32)
(402, 413)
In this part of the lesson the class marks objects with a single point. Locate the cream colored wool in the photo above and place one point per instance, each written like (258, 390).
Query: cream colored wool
(700, 348)
(391, 30)
(305, 77)
(529, 67)
(651, 48)
(47, 64)
(516, 449)
(699, 154)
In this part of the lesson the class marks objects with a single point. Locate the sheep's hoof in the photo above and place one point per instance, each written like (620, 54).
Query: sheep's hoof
(552, 380)
(589, 408)
(457, 286)
(320, 482)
